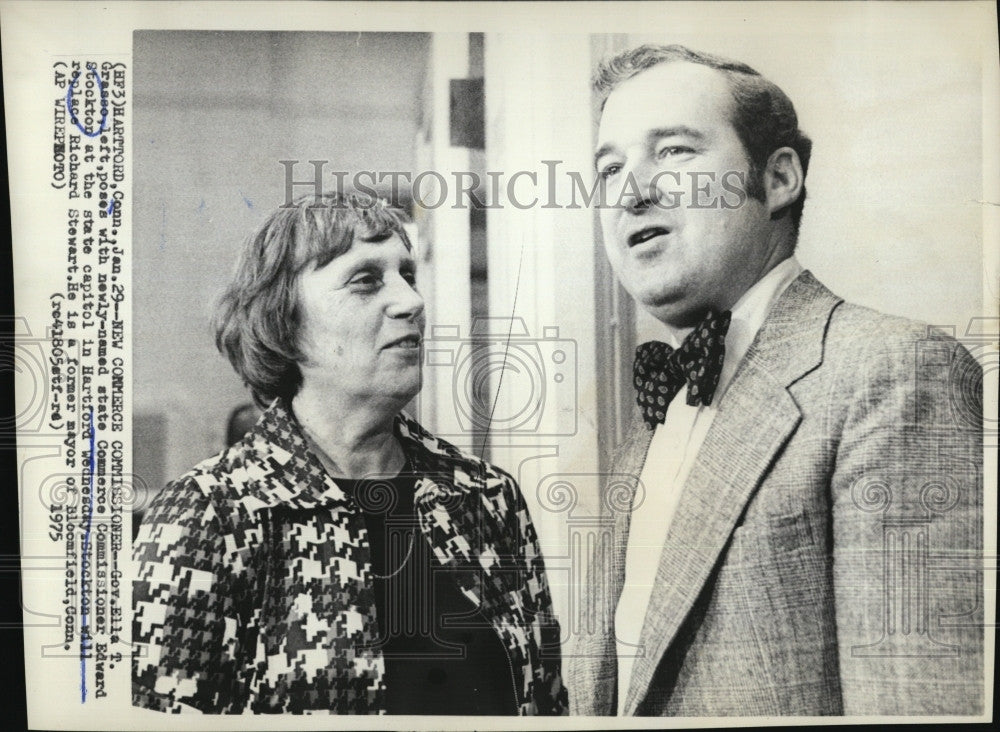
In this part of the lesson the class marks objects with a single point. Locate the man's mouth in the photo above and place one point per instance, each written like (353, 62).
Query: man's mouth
(409, 341)
(644, 235)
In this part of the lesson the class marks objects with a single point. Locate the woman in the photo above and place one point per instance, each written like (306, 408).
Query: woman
(339, 558)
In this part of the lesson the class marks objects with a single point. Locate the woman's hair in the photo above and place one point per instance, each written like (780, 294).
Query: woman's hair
(257, 319)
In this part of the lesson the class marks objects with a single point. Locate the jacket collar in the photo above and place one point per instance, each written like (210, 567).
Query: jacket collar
(279, 467)
(276, 467)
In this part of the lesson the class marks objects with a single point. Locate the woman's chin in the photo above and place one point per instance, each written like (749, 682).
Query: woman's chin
(406, 387)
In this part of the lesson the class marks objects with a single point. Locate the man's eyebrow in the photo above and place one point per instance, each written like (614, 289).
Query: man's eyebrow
(602, 151)
(677, 131)
(655, 134)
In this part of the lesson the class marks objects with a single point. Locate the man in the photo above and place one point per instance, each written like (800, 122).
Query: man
(804, 526)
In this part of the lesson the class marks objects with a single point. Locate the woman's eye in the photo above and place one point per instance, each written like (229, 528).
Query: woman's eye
(411, 278)
(365, 281)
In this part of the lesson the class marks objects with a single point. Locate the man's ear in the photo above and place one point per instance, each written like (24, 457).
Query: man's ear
(783, 179)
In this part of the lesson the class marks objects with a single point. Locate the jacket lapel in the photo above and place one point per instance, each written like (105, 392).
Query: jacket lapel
(756, 417)
(593, 660)
(281, 470)
(277, 468)
(462, 525)
(626, 469)
(463, 513)
(458, 515)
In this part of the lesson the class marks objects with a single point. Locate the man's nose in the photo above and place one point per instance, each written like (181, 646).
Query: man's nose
(405, 301)
(638, 191)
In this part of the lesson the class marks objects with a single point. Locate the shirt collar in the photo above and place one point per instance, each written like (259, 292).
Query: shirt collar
(749, 314)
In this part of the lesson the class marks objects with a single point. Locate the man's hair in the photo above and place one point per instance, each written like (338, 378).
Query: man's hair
(763, 115)
(258, 316)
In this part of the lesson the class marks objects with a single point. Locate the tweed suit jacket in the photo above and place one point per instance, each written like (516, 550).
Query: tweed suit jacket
(825, 556)
(254, 588)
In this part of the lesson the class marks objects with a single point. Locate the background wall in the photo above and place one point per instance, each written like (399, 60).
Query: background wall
(214, 113)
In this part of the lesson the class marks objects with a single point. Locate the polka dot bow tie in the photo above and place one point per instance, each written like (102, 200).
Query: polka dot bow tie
(660, 371)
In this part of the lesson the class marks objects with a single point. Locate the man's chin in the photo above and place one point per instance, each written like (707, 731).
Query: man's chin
(675, 312)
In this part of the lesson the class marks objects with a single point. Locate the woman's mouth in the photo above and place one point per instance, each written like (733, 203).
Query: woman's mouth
(409, 342)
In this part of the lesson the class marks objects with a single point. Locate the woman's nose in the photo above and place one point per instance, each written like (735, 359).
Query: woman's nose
(405, 301)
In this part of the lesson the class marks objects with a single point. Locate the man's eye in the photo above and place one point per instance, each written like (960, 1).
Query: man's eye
(674, 150)
(609, 170)
(411, 278)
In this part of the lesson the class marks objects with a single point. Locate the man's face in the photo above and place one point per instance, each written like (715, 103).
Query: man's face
(664, 134)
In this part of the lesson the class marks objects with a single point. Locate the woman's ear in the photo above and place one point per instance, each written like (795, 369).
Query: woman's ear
(783, 179)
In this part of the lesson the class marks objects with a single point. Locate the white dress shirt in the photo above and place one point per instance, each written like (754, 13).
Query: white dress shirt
(672, 451)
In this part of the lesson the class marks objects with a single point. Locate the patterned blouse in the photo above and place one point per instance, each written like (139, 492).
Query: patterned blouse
(254, 586)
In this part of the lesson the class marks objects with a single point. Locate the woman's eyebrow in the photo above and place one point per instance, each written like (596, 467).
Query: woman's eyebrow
(377, 238)
(368, 263)
(377, 262)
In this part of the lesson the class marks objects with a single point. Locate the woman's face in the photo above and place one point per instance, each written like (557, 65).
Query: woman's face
(362, 324)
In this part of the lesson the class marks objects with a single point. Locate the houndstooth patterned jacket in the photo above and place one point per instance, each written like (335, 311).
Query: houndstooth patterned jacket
(254, 589)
